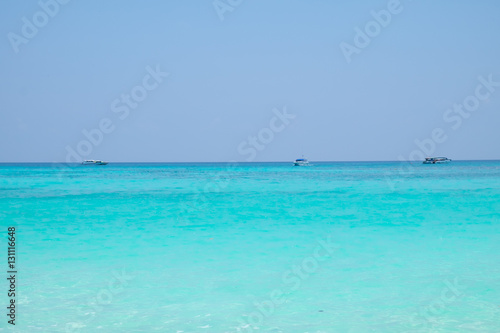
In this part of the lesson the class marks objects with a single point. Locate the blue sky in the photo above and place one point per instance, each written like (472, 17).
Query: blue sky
(227, 79)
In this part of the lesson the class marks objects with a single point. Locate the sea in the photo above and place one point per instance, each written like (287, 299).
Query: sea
(252, 247)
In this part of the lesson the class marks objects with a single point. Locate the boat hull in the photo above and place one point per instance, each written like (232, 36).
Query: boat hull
(437, 161)
(94, 162)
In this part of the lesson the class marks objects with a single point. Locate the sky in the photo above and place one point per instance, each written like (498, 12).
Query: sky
(223, 80)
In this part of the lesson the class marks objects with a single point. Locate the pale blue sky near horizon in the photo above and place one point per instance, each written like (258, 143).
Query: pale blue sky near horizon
(227, 76)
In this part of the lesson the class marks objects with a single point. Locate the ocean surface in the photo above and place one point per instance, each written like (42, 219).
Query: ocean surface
(260, 247)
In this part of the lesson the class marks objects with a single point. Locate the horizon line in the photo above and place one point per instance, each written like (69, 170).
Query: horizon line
(246, 162)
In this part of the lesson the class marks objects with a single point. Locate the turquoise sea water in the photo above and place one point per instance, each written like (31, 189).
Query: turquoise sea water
(334, 247)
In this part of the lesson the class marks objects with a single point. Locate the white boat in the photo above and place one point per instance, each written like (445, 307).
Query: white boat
(94, 162)
(301, 162)
(436, 160)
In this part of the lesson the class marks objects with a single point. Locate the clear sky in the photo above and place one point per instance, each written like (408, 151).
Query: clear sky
(249, 80)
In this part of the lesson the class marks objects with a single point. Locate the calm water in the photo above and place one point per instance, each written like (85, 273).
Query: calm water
(335, 247)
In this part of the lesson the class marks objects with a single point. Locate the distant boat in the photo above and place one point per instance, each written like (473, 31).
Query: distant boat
(436, 160)
(94, 162)
(301, 162)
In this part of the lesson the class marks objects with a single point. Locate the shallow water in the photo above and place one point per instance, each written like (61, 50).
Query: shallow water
(262, 247)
